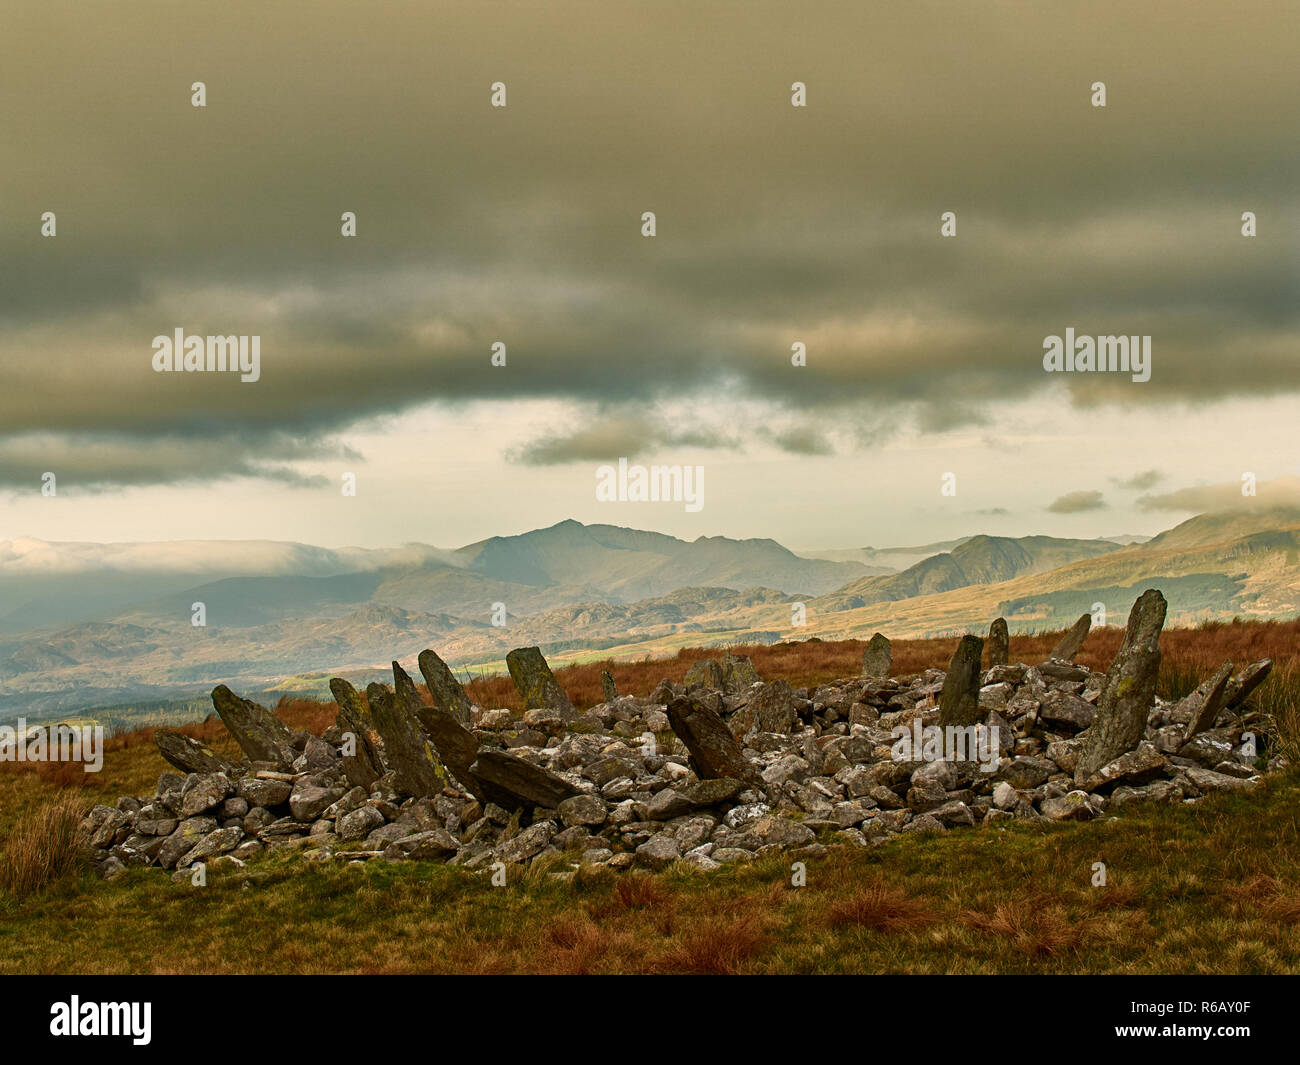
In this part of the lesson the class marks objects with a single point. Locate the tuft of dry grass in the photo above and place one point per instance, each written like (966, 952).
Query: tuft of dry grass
(879, 907)
(716, 948)
(1032, 928)
(42, 845)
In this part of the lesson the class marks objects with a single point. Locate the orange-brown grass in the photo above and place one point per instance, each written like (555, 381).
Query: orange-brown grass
(880, 907)
(717, 947)
(808, 663)
(1033, 926)
(42, 845)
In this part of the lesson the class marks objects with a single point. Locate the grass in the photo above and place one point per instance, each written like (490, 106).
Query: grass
(42, 845)
(1207, 888)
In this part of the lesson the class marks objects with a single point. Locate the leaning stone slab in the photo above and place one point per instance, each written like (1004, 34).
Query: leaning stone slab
(1071, 643)
(1245, 682)
(607, 686)
(536, 682)
(522, 783)
(457, 748)
(405, 750)
(445, 689)
(770, 709)
(1125, 701)
(1204, 704)
(959, 701)
(999, 643)
(878, 658)
(364, 766)
(260, 734)
(714, 750)
(1135, 767)
(189, 755)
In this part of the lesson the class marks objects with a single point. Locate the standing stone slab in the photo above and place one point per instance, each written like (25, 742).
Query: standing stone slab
(189, 755)
(260, 734)
(999, 643)
(408, 699)
(607, 686)
(714, 750)
(738, 674)
(1122, 708)
(365, 766)
(536, 682)
(521, 783)
(959, 702)
(445, 689)
(707, 672)
(1071, 643)
(878, 658)
(405, 749)
(1245, 682)
(1204, 704)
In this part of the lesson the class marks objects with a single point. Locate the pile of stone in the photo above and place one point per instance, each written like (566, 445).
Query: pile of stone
(723, 767)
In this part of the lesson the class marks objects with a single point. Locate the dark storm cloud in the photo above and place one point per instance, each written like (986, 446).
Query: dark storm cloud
(522, 225)
(623, 435)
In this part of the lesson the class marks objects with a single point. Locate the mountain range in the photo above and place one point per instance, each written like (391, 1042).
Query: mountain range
(89, 626)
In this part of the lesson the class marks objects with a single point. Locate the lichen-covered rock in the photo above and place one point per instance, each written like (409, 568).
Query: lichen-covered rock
(1071, 643)
(714, 750)
(361, 761)
(359, 823)
(1244, 683)
(1125, 702)
(188, 754)
(258, 791)
(582, 810)
(878, 658)
(1066, 711)
(770, 708)
(1201, 707)
(705, 672)
(998, 644)
(738, 674)
(1073, 806)
(308, 801)
(406, 751)
(536, 683)
(959, 701)
(202, 792)
(444, 688)
(522, 783)
(261, 735)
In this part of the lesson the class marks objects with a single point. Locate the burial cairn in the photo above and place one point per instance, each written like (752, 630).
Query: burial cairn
(722, 768)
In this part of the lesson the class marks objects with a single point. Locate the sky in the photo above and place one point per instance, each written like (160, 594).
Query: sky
(775, 225)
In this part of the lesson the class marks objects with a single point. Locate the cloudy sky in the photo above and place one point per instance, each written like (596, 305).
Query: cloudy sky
(775, 225)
